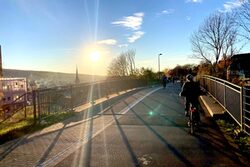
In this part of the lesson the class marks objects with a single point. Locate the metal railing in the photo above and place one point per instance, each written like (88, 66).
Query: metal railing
(64, 98)
(246, 109)
(234, 99)
(18, 105)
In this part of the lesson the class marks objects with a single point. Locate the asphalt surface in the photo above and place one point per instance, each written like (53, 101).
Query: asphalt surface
(144, 128)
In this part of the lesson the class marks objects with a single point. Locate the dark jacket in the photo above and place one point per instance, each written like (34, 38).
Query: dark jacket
(191, 90)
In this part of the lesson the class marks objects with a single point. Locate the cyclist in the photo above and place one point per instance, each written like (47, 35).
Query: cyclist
(191, 91)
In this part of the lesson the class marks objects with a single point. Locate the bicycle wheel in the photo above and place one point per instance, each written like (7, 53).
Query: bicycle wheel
(191, 122)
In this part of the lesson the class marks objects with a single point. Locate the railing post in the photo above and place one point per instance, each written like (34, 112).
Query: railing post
(34, 104)
(241, 108)
(107, 90)
(25, 111)
(38, 107)
(215, 90)
(224, 94)
(49, 102)
(25, 105)
(71, 98)
(205, 83)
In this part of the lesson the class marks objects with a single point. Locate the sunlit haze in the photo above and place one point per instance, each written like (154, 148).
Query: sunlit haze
(55, 35)
(95, 56)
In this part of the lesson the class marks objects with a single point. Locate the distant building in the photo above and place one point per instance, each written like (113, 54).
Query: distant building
(77, 80)
(13, 89)
(239, 67)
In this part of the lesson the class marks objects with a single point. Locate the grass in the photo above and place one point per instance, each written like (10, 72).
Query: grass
(54, 118)
(11, 130)
(6, 127)
(235, 135)
(17, 122)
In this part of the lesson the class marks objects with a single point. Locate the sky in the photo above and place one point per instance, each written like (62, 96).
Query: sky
(58, 35)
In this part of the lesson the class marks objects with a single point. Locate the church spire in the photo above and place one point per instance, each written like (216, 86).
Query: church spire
(77, 80)
(1, 67)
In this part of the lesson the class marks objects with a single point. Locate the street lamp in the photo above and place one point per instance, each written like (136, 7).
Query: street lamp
(159, 68)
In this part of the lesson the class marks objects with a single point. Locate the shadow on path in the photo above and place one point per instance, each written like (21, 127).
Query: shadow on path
(171, 148)
(125, 140)
(78, 118)
(51, 146)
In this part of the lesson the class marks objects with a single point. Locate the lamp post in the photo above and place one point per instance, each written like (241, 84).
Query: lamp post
(159, 68)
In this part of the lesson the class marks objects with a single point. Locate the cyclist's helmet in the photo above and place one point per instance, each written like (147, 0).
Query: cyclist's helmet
(190, 77)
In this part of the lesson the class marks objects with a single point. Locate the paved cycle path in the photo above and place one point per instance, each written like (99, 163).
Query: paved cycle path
(146, 128)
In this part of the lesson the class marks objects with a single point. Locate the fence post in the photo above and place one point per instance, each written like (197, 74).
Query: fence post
(205, 82)
(49, 102)
(71, 98)
(224, 94)
(25, 105)
(241, 108)
(38, 107)
(25, 112)
(34, 103)
(107, 89)
(215, 90)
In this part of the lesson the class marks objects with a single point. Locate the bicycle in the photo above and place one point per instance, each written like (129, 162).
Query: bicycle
(193, 118)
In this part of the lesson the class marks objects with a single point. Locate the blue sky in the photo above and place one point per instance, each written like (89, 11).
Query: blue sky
(55, 35)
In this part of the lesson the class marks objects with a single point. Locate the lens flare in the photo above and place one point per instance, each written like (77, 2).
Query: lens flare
(95, 56)
(151, 113)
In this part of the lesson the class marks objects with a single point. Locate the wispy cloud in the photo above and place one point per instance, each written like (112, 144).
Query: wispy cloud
(133, 22)
(233, 4)
(107, 42)
(166, 12)
(123, 45)
(136, 35)
(194, 1)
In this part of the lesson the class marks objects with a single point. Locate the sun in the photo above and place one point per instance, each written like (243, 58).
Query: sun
(95, 56)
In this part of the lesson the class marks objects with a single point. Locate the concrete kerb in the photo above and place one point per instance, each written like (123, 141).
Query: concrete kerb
(210, 105)
(207, 108)
(103, 99)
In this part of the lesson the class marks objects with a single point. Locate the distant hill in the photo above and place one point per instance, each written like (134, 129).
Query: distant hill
(49, 79)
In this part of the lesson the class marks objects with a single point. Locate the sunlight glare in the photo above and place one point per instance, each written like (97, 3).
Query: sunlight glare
(95, 56)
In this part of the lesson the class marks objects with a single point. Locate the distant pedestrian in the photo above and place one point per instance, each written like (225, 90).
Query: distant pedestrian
(164, 81)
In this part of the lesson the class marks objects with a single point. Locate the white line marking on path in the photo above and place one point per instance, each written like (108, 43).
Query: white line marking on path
(70, 149)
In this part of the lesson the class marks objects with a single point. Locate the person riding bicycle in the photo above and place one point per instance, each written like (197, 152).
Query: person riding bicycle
(191, 91)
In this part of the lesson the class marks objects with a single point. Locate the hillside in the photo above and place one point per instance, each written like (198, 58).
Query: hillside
(49, 79)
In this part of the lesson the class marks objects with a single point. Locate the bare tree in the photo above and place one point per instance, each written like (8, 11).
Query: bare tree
(112, 69)
(130, 55)
(123, 65)
(198, 48)
(118, 66)
(243, 17)
(215, 37)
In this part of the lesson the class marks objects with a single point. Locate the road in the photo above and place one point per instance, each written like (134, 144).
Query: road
(143, 128)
